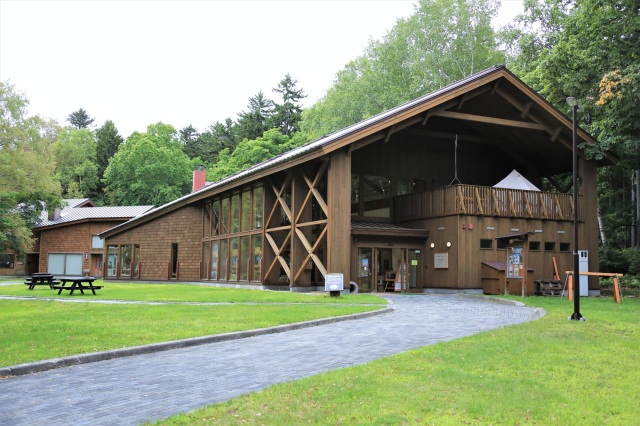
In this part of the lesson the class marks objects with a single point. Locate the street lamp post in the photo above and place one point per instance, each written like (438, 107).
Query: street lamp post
(576, 316)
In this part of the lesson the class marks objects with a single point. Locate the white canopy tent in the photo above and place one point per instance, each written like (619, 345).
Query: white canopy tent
(516, 181)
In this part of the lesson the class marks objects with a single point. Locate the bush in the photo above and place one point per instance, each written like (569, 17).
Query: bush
(627, 281)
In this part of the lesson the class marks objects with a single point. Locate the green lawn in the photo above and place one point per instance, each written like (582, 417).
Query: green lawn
(550, 371)
(189, 293)
(32, 330)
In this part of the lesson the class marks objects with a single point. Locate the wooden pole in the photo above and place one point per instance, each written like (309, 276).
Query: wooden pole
(616, 289)
(556, 275)
(570, 287)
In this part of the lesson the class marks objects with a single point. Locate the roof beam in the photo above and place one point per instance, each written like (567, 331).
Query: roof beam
(489, 120)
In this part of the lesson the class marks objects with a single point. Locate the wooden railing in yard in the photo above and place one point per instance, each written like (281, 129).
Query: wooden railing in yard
(484, 201)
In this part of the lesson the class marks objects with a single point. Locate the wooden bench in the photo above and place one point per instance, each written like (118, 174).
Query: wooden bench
(72, 288)
(31, 283)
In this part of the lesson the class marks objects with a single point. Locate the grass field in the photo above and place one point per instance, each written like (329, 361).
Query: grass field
(36, 329)
(550, 371)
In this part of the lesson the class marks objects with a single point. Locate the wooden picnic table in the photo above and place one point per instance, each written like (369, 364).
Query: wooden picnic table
(77, 283)
(40, 278)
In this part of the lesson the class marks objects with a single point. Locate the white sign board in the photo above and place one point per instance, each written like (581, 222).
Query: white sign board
(333, 282)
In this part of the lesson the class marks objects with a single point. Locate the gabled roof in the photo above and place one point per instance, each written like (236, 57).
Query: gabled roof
(75, 211)
(545, 131)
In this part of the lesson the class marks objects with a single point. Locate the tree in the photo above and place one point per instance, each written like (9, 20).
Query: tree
(251, 152)
(80, 119)
(256, 121)
(150, 168)
(26, 170)
(108, 140)
(442, 42)
(75, 156)
(588, 49)
(287, 115)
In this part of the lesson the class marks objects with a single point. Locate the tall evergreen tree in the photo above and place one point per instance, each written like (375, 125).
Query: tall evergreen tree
(108, 140)
(80, 119)
(219, 136)
(287, 115)
(254, 122)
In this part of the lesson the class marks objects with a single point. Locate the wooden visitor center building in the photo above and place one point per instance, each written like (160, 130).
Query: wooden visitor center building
(407, 197)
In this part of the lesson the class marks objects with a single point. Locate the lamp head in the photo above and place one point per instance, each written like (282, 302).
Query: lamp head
(572, 101)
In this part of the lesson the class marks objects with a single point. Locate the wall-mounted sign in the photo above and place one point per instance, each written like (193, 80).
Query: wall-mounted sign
(441, 260)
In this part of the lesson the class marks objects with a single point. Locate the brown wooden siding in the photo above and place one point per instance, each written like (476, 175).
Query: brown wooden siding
(184, 227)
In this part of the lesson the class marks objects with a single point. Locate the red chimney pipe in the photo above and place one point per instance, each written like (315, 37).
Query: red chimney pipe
(199, 179)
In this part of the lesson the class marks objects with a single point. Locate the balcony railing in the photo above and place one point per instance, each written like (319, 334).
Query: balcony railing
(485, 201)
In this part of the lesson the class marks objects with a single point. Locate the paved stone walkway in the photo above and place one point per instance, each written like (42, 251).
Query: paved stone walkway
(131, 390)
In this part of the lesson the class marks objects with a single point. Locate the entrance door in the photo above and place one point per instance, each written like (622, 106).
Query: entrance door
(364, 269)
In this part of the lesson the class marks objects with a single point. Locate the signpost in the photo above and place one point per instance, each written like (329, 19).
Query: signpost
(334, 283)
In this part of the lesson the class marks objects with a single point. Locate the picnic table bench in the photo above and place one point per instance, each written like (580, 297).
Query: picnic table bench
(78, 283)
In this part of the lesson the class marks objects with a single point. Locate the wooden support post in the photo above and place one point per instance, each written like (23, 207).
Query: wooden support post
(556, 275)
(616, 289)
(570, 287)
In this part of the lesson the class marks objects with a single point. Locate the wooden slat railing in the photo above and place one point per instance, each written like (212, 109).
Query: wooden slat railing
(485, 201)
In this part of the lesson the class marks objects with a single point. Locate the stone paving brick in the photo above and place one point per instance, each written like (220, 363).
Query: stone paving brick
(131, 390)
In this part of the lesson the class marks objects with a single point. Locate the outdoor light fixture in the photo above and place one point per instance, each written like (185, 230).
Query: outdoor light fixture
(448, 243)
(576, 316)
(433, 245)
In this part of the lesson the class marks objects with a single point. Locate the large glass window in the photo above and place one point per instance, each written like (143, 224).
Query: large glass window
(224, 259)
(245, 255)
(136, 260)
(233, 270)
(235, 213)
(246, 210)
(376, 196)
(228, 256)
(355, 195)
(258, 200)
(206, 220)
(224, 216)
(257, 257)
(216, 218)
(65, 263)
(214, 260)
(125, 257)
(112, 261)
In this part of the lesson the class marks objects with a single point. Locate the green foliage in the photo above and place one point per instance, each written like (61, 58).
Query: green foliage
(26, 170)
(75, 155)
(80, 119)
(150, 168)
(443, 41)
(251, 152)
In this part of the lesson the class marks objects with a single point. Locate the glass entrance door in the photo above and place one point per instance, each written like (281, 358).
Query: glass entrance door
(364, 269)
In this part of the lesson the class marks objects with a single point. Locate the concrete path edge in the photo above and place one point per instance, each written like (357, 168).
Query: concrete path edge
(50, 364)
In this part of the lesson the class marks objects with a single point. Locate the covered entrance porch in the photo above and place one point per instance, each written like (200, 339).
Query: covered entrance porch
(386, 257)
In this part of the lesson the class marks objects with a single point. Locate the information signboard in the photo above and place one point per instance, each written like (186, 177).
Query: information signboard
(333, 282)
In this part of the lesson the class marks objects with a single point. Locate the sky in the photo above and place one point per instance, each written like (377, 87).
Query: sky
(182, 62)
